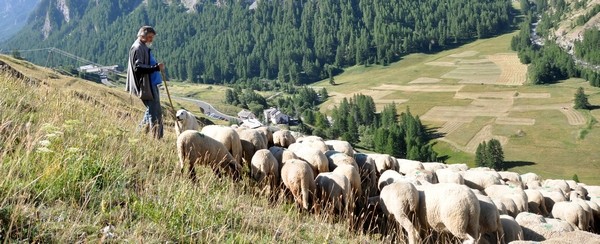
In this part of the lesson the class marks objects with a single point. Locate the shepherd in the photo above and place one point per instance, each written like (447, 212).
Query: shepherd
(143, 78)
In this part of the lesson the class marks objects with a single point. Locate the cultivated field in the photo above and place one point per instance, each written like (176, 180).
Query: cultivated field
(478, 92)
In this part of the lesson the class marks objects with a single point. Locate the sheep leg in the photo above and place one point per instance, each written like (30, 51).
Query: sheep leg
(413, 235)
(192, 172)
(305, 196)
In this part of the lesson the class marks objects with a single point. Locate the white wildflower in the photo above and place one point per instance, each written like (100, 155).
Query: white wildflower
(43, 150)
(44, 143)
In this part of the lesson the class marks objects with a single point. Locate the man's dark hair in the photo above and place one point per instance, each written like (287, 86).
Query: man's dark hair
(145, 30)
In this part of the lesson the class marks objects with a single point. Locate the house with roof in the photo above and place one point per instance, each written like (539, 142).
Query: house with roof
(275, 116)
(246, 115)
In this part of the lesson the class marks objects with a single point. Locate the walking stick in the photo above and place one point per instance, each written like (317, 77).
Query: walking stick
(162, 74)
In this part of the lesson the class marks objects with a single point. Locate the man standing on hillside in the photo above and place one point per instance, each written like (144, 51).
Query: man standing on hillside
(143, 77)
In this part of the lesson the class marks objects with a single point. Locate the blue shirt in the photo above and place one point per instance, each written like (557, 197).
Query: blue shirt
(155, 77)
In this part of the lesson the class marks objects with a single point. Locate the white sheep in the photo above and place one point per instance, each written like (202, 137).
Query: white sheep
(581, 191)
(388, 177)
(283, 138)
(351, 173)
(489, 218)
(407, 165)
(530, 177)
(589, 212)
(517, 194)
(537, 228)
(278, 154)
(572, 213)
(536, 202)
(297, 135)
(479, 179)
(401, 200)
(384, 162)
(297, 176)
(552, 196)
(572, 184)
(282, 155)
(449, 176)
(333, 191)
(512, 229)
(251, 141)
(534, 185)
(368, 174)
(575, 236)
(340, 146)
(309, 138)
(458, 167)
(500, 206)
(268, 131)
(434, 166)
(265, 168)
(509, 205)
(185, 121)
(512, 177)
(314, 157)
(449, 207)
(194, 148)
(314, 142)
(228, 136)
(559, 184)
(335, 159)
(596, 210)
(593, 191)
(421, 175)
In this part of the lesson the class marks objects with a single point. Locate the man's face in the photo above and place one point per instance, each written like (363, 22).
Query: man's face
(148, 38)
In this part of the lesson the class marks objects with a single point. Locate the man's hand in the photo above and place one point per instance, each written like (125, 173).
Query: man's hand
(161, 66)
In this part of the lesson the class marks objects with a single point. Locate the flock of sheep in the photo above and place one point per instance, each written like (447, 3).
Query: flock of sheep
(473, 205)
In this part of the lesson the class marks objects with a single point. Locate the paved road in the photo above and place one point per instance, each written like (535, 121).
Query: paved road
(207, 107)
(273, 96)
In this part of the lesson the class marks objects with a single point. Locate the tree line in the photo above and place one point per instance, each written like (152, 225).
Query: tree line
(295, 42)
(355, 120)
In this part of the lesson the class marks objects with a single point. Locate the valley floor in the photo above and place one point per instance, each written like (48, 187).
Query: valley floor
(478, 92)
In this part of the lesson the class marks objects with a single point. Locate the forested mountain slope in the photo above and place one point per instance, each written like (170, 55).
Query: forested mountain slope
(232, 40)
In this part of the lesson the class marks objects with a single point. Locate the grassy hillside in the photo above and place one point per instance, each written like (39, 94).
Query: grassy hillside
(479, 91)
(73, 169)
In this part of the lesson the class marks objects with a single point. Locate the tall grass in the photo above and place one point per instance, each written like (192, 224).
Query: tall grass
(72, 168)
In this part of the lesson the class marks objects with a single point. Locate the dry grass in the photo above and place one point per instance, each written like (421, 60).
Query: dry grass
(73, 169)
(514, 121)
(464, 54)
(464, 134)
(513, 72)
(425, 80)
(475, 73)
